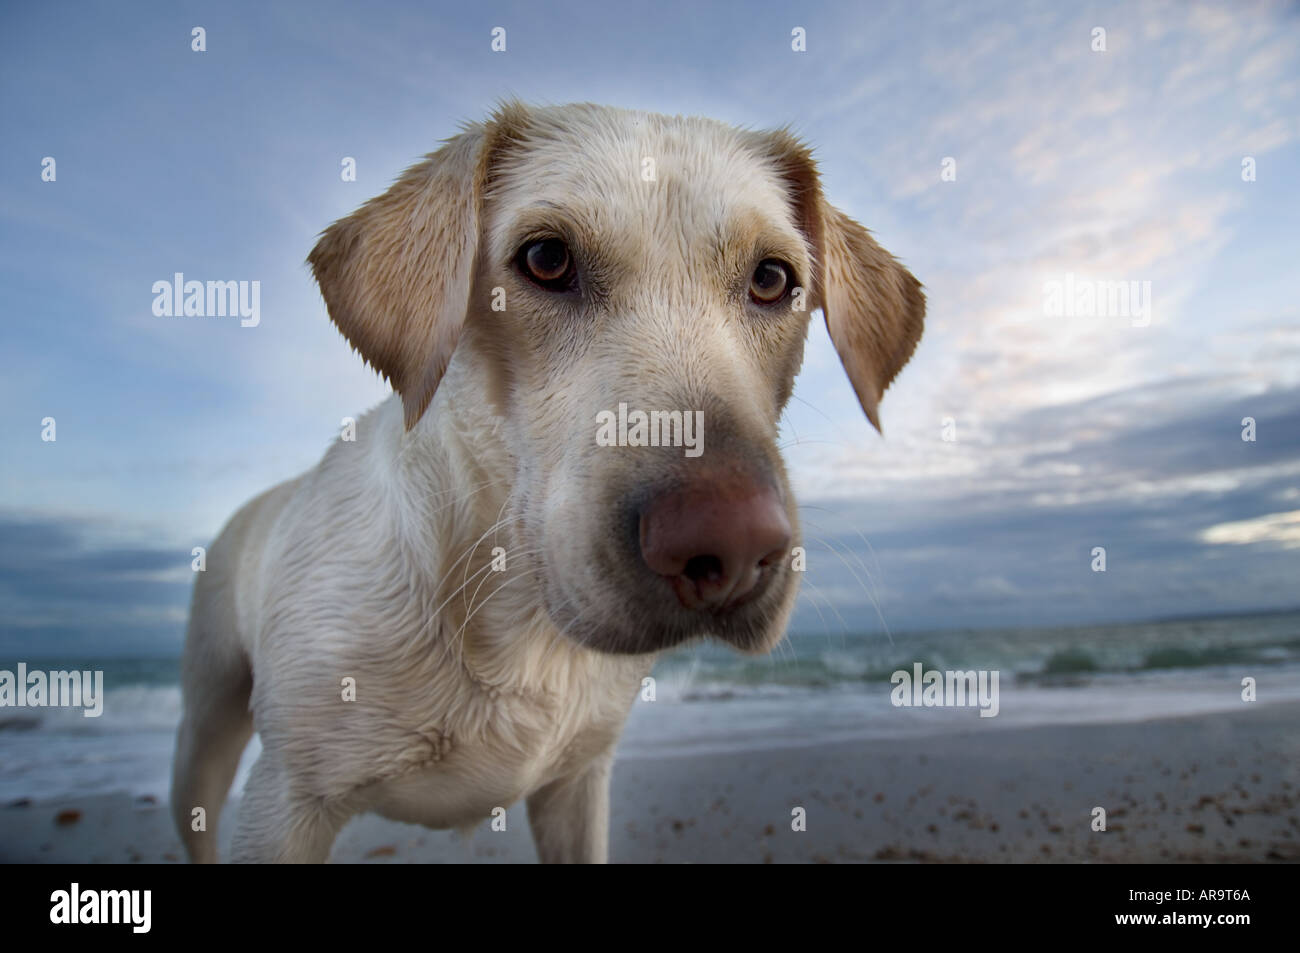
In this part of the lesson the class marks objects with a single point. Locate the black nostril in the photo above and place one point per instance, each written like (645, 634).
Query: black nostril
(703, 569)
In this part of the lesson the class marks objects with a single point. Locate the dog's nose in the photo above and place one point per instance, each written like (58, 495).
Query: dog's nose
(712, 539)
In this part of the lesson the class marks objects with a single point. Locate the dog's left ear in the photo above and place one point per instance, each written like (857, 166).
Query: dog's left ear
(396, 274)
(874, 307)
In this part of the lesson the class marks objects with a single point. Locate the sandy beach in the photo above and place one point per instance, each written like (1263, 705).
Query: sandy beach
(1212, 788)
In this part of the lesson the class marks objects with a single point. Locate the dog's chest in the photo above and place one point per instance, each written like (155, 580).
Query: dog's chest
(470, 761)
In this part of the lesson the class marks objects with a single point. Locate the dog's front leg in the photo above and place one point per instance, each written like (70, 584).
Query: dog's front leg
(570, 816)
(276, 827)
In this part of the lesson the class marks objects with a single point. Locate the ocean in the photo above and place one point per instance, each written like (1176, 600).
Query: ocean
(813, 689)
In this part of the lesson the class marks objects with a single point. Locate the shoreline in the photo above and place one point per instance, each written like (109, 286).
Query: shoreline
(1211, 788)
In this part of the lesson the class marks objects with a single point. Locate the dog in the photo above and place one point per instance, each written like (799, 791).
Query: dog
(456, 609)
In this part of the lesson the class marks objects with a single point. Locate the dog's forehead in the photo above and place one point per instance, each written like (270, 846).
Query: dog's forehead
(625, 167)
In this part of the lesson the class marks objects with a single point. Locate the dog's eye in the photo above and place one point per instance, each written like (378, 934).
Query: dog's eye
(770, 282)
(548, 263)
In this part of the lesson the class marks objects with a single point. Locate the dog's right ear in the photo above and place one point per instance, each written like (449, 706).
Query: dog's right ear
(396, 273)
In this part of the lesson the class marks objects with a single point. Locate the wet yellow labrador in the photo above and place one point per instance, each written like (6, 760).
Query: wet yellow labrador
(591, 319)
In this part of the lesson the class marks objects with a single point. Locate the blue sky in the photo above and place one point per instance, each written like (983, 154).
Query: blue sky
(1070, 432)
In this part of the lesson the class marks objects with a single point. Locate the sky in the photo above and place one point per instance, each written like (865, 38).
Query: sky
(1017, 440)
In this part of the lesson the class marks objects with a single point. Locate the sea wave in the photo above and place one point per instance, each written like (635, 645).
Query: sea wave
(810, 690)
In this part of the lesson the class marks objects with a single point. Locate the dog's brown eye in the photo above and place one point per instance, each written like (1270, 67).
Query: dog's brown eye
(770, 282)
(548, 263)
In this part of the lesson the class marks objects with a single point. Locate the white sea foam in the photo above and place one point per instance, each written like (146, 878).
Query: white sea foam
(813, 690)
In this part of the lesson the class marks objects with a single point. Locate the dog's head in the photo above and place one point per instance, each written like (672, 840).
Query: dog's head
(640, 287)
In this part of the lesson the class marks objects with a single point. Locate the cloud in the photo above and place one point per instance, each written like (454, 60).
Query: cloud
(1123, 165)
(65, 588)
(1159, 476)
(1280, 528)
